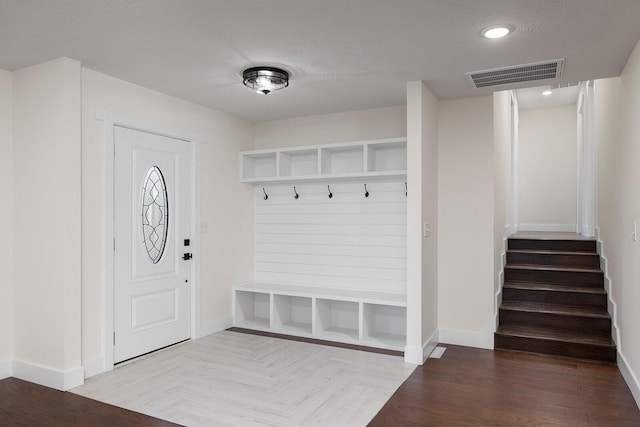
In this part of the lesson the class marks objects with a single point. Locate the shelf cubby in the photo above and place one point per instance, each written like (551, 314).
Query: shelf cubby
(385, 157)
(342, 160)
(291, 314)
(351, 160)
(299, 162)
(337, 320)
(252, 310)
(384, 325)
(259, 165)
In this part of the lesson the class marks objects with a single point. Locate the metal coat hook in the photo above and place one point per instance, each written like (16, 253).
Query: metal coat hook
(296, 193)
(265, 194)
(405, 189)
(330, 193)
(366, 192)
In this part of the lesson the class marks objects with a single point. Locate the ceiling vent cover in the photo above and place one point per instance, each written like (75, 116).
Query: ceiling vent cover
(516, 74)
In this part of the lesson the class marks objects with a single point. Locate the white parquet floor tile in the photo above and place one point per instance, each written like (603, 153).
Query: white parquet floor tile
(235, 379)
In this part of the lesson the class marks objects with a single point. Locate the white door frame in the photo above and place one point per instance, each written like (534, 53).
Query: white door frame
(112, 120)
(587, 168)
(514, 178)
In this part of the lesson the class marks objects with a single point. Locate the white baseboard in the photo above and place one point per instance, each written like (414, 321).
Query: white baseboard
(413, 354)
(213, 326)
(629, 377)
(477, 339)
(54, 378)
(417, 355)
(5, 369)
(569, 228)
(93, 366)
(430, 345)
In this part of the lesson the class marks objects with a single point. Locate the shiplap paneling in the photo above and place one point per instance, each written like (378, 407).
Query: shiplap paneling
(348, 241)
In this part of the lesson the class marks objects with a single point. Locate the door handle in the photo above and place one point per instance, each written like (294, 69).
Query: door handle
(187, 256)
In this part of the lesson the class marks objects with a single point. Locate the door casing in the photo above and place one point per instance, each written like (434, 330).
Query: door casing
(111, 120)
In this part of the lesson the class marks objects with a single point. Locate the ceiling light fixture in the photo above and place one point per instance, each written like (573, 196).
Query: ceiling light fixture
(265, 79)
(497, 31)
(547, 92)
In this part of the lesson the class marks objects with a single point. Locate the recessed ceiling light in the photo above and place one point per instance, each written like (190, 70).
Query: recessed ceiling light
(547, 92)
(497, 31)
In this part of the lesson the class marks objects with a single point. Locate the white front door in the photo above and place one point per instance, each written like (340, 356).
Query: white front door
(152, 290)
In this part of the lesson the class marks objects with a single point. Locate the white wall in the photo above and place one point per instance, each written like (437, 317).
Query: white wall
(501, 180)
(226, 205)
(377, 123)
(422, 207)
(6, 221)
(548, 168)
(618, 136)
(348, 241)
(466, 221)
(47, 219)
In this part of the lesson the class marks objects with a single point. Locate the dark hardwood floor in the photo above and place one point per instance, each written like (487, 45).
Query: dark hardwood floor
(466, 387)
(26, 404)
(474, 387)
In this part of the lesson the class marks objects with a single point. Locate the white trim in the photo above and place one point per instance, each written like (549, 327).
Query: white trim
(6, 369)
(611, 304)
(629, 377)
(477, 339)
(413, 354)
(54, 378)
(417, 355)
(93, 366)
(514, 171)
(216, 325)
(569, 228)
(431, 344)
(500, 279)
(111, 120)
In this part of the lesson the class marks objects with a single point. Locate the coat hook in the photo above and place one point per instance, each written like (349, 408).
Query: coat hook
(330, 193)
(405, 189)
(265, 194)
(366, 192)
(296, 193)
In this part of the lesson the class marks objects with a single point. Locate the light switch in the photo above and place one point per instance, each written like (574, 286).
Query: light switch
(634, 234)
(426, 230)
(204, 227)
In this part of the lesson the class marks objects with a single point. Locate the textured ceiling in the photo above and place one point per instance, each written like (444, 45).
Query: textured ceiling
(343, 54)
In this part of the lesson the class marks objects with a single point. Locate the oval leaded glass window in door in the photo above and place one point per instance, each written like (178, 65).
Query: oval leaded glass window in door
(155, 214)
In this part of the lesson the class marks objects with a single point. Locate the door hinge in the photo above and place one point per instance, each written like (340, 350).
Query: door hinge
(114, 338)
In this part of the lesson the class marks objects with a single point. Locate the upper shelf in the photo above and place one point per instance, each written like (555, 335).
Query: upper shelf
(370, 159)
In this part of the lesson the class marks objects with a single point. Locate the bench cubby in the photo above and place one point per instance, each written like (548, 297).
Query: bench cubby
(374, 319)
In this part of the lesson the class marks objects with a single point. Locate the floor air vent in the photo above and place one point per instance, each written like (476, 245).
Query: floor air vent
(516, 74)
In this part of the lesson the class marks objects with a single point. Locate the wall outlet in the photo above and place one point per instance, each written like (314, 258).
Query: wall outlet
(426, 230)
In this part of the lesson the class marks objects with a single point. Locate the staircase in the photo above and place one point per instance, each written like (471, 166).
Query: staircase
(553, 300)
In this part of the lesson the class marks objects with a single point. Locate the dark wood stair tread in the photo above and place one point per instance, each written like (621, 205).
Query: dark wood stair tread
(551, 252)
(532, 286)
(554, 309)
(552, 268)
(556, 335)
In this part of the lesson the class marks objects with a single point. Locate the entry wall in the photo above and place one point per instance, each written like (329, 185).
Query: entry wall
(226, 211)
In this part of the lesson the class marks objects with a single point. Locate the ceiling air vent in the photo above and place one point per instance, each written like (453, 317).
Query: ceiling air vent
(516, 74)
